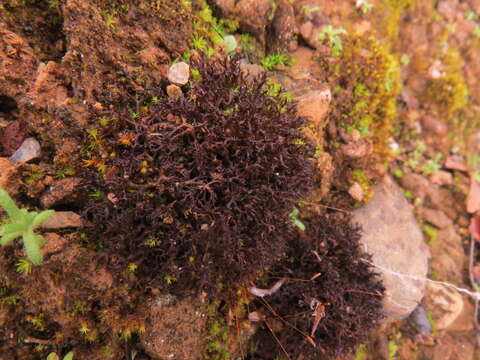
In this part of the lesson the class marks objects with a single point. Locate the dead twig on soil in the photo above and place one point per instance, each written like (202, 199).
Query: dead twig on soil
(32, 340)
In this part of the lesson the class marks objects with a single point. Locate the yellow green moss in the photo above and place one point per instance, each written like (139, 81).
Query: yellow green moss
(372, 74)
(449, 92)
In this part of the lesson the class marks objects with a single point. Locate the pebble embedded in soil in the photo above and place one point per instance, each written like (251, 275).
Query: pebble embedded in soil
(420, 321)
(62, 220)
(442, 178)
(435, 217)
(179, 73)
(356, 192)
(174, 92)
(29, 150)
(395, 241)
(445, 303)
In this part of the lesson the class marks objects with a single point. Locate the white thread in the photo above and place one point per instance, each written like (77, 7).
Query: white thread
(473, 294)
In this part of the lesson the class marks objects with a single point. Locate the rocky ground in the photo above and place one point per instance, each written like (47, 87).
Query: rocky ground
(391, 93)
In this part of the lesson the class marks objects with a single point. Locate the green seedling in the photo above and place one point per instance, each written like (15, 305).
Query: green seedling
(54, 356)
(295, 220)
(332, 35)
(433, 166)
(471, 15)
(23, 223)
(271, 61)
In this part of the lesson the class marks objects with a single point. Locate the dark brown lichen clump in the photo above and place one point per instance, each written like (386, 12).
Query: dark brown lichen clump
(198, 191)
(327, 276)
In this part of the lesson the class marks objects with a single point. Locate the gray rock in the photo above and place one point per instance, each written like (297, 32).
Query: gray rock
(179, 73)
(29, 150)
(420, 321)
(63, 219)
(395, 241)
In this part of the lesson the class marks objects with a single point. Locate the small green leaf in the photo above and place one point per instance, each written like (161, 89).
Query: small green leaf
(42, 217)
(53, 356)
(229, 43)
(7, 203)
(69, 356)
(8, 238)
(299, 224)
(294, 217)
(17, 227)
(31, 247)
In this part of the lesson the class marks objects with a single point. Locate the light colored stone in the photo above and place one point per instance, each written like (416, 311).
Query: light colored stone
(179, 73)
(29, 150)
(357, 149)
(63, 219)
(314, 104)
(395, 241)
(356, 192)
(445, 304)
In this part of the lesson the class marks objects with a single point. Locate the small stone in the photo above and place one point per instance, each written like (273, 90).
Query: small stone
(455, 162)
(357, 149)
(395, 241)
(54, 243)
(62, 220)
(29, 150)
(179, 73)
(306, 30)
(435, 217)
(445, 303)
(356, 192)
(420, 321)
(314, 104)
(433, 125)
(174, 92)
(59, 190)
(442, 178)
